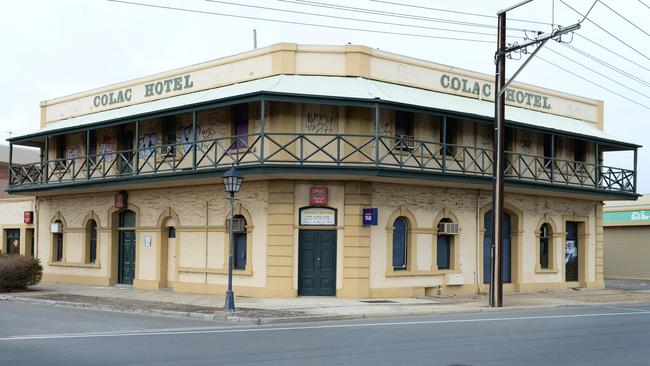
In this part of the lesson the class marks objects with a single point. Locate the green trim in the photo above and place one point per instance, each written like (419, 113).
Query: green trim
(274, 170)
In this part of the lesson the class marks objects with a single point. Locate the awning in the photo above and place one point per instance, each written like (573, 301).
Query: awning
(353, 88)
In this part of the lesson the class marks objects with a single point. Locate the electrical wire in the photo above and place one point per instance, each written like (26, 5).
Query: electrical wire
(396, 15)
(598, 73)
(591, 82)
(353, 19)
(605, 30)
(644, 4)
(298, 23)
(608, 65)
(611, 51)
(624, 18)
(458, 12)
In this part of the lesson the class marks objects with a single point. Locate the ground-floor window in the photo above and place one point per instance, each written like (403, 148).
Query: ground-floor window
(544, 245)
(57, 240)
(240, 237)
(400, 243)
(92, 241)
(13, 241)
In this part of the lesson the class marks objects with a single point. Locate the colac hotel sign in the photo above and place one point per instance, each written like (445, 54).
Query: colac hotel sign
(153, 89)
(483, 90)
(640, 216)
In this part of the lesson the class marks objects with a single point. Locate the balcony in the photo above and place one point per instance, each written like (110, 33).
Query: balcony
(355, 154)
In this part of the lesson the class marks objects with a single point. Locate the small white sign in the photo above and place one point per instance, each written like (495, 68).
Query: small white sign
(318, 216)
(56, 228)
(147, 241)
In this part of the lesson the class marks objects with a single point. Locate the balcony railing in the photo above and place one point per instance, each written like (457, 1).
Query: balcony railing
(317, 150)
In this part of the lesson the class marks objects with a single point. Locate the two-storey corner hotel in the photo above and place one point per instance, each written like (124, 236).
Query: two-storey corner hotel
(367, 174)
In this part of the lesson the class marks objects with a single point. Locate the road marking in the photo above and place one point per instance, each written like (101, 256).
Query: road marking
(328, 326)
(627, 309)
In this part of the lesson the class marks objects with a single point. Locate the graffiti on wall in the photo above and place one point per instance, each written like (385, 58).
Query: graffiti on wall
(185, 137)
(147, 144)
(73, 152)
(385, 129)
(318, 122)
(107, 149)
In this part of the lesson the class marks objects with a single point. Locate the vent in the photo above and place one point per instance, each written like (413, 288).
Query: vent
(448, 228)
(239, 225)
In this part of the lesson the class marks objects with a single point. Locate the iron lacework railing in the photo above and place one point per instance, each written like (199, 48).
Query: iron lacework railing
(317, 150)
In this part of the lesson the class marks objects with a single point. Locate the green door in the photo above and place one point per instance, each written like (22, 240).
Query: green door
(126, 263)
(317, 263)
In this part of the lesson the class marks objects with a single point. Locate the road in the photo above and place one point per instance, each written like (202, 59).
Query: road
(42, 335)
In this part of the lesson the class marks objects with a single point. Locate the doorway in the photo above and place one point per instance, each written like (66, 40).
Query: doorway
(317, 263)
(126, 248)
(506, 270)
(571, 248)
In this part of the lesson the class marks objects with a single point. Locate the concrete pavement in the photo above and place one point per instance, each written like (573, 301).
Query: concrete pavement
(261, 311)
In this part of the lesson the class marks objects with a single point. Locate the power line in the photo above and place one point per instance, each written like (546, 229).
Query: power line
(298, 23)
(608, 65)
(644, 4)
(458, 12)
(352, 19)
(598, 73)
(611, 51)
(591, 82)
(624, 18)
(605, 30)
(396, 15)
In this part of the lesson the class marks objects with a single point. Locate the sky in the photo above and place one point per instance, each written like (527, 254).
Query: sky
(57, 48)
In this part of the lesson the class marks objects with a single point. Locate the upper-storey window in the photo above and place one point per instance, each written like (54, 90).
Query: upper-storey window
(169, 134)
(60, 147)
(240, 126)
(92, 145)
(548, 150)
(449, 135)
(579, 153)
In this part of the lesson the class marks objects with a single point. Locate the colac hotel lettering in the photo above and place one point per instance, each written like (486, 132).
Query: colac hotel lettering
(154, 88)
(485, 90)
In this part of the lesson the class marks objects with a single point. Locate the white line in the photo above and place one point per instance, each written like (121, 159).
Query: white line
(627, 309)
(331, 326)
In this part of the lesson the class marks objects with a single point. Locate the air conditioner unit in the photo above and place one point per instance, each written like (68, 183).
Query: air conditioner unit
(448, 228)
(407, 142)
(56, 228)
(238, 226)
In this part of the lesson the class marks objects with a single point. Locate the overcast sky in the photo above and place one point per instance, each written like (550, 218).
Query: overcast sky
(56, 48)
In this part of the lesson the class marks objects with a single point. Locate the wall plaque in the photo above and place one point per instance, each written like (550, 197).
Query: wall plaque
(317, 216)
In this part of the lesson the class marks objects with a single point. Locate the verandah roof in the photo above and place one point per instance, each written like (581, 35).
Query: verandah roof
(352, 88)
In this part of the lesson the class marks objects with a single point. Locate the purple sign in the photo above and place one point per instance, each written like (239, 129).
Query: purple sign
(370, 216)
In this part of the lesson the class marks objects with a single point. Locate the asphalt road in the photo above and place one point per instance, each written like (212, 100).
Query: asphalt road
(41, 335)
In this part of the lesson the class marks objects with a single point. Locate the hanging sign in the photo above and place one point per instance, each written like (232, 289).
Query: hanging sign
(28, 217)
(120, 200)
(370, 216)
(318, 196)
(317, 216)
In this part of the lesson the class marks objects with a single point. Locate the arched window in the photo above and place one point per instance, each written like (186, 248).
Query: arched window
(57, 241)
(444, 244)
(240, 238)
(91, 230)
(545, 235)
(400, 243)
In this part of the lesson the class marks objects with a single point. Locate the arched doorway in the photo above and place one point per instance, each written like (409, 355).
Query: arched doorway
(506, 270)
(126, 248)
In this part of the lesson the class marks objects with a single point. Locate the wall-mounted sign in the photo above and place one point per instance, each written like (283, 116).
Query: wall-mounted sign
(318, 196)
(28, 217)
(147, 241)
(56, 228)
(120, 200)
(638, 216)
(317, 216)
(370, 216)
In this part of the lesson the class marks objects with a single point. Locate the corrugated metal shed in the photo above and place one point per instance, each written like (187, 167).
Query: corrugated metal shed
(348, 88)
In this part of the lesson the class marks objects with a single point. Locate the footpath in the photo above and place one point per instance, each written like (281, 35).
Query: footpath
(302, 309)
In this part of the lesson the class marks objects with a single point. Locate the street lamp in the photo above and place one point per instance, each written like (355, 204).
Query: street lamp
(231, 183)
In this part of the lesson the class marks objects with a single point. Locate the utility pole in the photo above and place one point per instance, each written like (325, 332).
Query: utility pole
(500, 86)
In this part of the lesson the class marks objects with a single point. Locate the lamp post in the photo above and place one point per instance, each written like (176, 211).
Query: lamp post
(231, 182)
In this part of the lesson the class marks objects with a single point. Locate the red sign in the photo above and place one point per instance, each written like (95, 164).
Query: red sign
(120, 200)
(318, 196)
(28, 217)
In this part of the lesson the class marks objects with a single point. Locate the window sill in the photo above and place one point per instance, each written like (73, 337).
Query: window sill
(545, 270)
(77, 265)
(433, 272)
